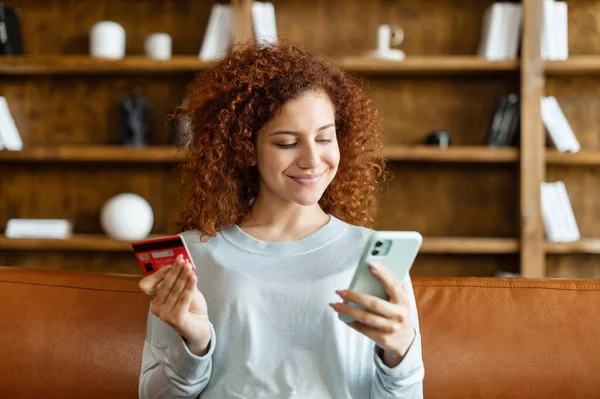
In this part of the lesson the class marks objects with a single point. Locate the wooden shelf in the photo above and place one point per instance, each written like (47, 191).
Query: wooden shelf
(469, 245)
(166, 154)
(583, 246)
(583, 157)
(95, 153)
(455, 154)
(427, 65)
(78, 242)
(433, 245)
(83, 64)
(575, 65)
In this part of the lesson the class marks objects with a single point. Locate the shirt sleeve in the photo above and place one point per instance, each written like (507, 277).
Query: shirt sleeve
(169, 369)
(406, 379)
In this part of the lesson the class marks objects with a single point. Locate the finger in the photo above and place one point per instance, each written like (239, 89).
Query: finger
(370, 332)
(391, 285)
(150, 283)
(169, 281)
(178, 287)
(365, 317)
(186, 297)
(372, 303)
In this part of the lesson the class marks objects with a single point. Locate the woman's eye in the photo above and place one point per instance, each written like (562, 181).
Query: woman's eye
(291, 145)
(324, 141)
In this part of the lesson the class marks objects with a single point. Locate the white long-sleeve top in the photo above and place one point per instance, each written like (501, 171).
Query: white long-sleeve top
(273, 333)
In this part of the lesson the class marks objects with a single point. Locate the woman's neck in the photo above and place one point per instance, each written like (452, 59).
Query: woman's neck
(294, 222)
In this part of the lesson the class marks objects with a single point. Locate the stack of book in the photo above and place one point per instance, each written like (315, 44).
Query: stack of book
(39, 228)
(501, 31)
(10, 139)
(559, 220)
(558, 126)
(218, 37)
(504, 129)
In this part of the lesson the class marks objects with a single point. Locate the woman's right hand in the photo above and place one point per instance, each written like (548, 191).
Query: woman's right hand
(179, 303)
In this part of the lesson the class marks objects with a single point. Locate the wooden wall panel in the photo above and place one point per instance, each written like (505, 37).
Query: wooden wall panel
(63, 26)
(51, 110)
(579, 98)
(432, 27)
(463, 265)
(411, 108)
(573, 266)
(584, 25)
(451, 200)
(102, 262)
(78, 191)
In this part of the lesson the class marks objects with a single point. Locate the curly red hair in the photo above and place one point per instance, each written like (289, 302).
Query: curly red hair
(227, 105)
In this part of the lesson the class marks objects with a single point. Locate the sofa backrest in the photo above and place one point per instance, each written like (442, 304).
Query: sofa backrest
(76, 334)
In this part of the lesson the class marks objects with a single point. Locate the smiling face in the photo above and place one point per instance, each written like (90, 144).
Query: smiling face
(297, 151)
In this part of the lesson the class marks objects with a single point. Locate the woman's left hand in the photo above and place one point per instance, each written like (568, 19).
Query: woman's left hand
(385, 322)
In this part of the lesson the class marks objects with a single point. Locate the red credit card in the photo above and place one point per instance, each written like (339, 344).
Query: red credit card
(154, 253)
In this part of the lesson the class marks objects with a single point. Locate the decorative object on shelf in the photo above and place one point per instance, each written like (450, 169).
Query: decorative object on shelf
(107, 40)
(440, 138)
(181, 133)
(10, 31)
(388, 36)
(127, 216)
(134, 125)
(158, 46)
(504, 128)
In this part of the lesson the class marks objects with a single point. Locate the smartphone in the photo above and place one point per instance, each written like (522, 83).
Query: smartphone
(154, 253)
(393, 250)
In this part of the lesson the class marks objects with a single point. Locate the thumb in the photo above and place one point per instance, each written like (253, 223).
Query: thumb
(149, 283)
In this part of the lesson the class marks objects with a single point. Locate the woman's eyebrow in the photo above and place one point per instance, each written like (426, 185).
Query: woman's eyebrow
(291, 132)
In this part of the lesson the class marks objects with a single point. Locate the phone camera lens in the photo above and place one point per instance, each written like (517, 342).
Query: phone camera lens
(378, 244)
(375, 252)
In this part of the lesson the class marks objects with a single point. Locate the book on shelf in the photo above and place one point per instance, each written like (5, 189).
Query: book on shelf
(218, 37)
(10, 139)
(504, 128)
(558, 217)
(501, 31)
(555, 31)
(557, 125)
(39, 228)
(263, 19)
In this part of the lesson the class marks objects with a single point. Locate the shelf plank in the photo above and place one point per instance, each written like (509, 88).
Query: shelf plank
(583, 246)
(431, 245)
(583, 157)
(83, 64)
(80, 242)
(575, 65)
(427, 65)
(456, 154)
(469, 245)
(96, 153)
(158, 154)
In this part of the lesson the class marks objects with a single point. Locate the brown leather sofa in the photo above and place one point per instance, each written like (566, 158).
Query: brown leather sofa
(80, 335)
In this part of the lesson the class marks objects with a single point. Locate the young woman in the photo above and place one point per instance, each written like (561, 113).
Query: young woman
(277, 199)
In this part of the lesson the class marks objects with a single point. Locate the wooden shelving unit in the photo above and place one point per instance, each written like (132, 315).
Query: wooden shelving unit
(85, 65)
(65, 105)
(168, 154)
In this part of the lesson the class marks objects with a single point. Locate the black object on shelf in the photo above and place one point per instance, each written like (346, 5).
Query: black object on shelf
(10, 31)
(134, 126)
(440, 138)
(505, 125)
